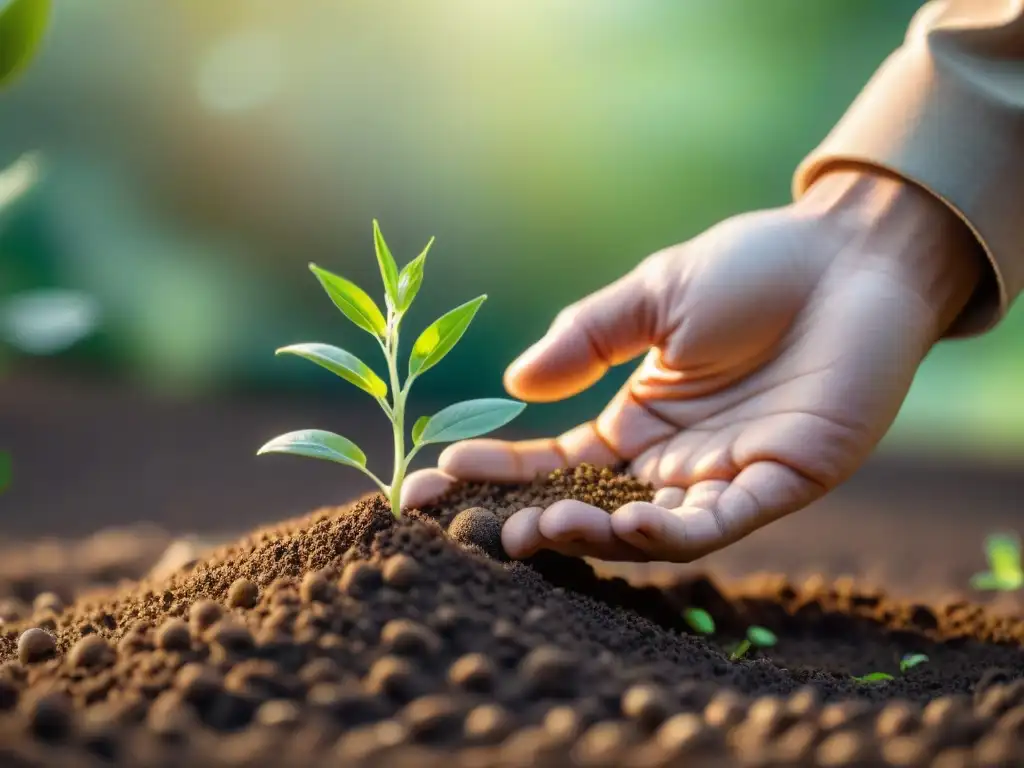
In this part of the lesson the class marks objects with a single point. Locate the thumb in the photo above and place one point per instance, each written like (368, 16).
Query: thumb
(610, 327)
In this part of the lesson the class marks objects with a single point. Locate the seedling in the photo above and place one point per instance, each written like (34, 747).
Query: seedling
(700, 621)
(1005, 573)
(908, 662)
(456, 422)
(757, 637)
(911, 660)
(874, 677)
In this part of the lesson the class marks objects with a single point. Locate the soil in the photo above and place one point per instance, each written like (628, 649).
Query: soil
(349, 638)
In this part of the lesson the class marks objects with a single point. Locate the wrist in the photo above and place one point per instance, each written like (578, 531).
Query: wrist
(885, 222)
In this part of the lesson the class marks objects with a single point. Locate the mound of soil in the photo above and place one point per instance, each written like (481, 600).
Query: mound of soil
(349, 638)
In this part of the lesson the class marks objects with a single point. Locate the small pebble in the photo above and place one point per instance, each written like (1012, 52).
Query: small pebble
(36, 645)
(359, 579)
(473, 672)
(173, 635)
(401, 571)
(278, 712)
(204, 614)
(243, 594)
(488, 724)
(478, 527)
(407, 638)
(647, 704)
(549, 670)
(316, 588)
(48, 601)
(91, 652)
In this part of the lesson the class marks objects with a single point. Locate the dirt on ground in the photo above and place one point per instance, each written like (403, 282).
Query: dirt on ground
(349, 638)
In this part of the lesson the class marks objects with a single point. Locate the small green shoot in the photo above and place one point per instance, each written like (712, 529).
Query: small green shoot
(700, 621)
(757, 637)
(908, 662)
(911, 660)
(874, 677)
(1005, 573)
(456, 422)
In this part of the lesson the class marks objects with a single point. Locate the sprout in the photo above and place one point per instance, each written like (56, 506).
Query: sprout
(5, 470)
(456, 422)
(874, 677)
(757, 637)
(911, 660)
(700, 621)
(908, 662)
(1005, 574)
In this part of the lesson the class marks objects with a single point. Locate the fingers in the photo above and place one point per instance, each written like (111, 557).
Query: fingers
(501, 461)
(569, 527)
(607, 328)
(424, 487)
(714, 513)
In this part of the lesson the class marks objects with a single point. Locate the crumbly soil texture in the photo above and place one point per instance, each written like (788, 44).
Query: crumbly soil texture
(348, 638)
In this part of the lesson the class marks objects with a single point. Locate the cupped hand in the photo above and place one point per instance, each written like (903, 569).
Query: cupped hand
(779, 346)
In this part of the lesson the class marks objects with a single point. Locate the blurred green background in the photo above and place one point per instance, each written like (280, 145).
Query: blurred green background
(193, 156)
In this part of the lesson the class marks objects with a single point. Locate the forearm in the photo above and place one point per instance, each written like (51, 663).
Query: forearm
(946, 111)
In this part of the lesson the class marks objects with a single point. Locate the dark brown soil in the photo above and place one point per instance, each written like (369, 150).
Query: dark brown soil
(347, 638)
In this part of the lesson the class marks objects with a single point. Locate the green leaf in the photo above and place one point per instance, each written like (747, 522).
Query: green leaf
(761, 637)
(700, 621)
(317, 444)
(911, 660)
(411, 278)
(1003, 552)
(469, 419)
(987, 581)
(874, 677)
(22, 26)
(388, 268)
(740, 651)
(353, 301)
(418, 427)
(443, 334)
(340, 363)
(5, 471)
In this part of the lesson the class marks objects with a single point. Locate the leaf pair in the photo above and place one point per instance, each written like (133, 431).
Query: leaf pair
(433, 344)
(461, 421)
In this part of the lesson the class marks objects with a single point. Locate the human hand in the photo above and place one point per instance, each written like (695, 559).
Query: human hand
(780, 345)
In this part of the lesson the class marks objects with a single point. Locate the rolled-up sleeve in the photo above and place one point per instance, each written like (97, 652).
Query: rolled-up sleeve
(946, 111)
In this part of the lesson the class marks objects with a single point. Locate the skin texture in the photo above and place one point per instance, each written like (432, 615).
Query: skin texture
(777, 349)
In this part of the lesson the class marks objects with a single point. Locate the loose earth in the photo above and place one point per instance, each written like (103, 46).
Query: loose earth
(348, 638)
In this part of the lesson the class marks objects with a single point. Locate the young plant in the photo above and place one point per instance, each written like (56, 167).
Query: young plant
(908, 662)
(757, 637)
(1005, 573)
(700, 621)
(456, 422)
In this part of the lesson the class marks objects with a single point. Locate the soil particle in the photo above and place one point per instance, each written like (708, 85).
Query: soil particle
(36, 645)
(349, 638)
(478, 527)
(243, 594)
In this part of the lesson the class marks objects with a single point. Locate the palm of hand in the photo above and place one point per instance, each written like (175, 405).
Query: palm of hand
(771, 376)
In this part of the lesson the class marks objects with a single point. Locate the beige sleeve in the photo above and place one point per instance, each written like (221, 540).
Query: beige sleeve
(946, 111)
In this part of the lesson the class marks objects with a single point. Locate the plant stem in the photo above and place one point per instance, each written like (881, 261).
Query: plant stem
(397, 415)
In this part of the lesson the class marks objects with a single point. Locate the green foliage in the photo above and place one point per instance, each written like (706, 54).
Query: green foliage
(700, 621)
(757, 637)
(441, 335)
(874, 677)
(1005, 574)
(761, 637)
(456, 422)
(908, 662)
(467, 419)
(911, 660)
(22, 26)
